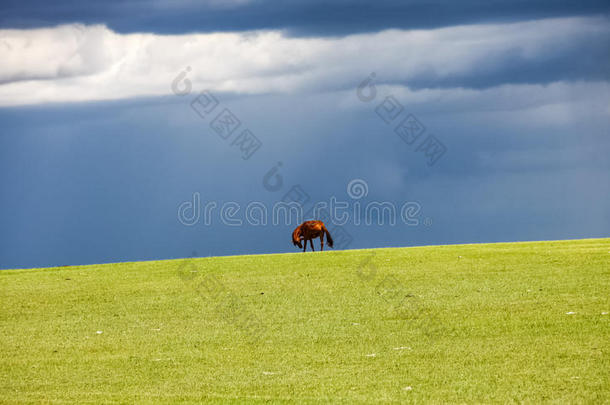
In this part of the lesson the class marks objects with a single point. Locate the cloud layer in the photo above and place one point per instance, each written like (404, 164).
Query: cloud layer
(91, 62)
(296, 17)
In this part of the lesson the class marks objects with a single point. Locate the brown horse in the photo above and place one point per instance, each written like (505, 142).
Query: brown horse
(309, 230)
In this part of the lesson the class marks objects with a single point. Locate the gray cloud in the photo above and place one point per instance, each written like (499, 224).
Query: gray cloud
(297, 17)
(82, 63)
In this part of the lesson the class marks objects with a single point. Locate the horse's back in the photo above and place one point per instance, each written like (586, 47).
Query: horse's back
(313, 228)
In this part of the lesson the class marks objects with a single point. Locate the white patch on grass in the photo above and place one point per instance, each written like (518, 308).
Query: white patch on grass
(570, 313)
(99, 332)
(371, 355)
(402, 348)
(408, 388)
(604, 313)
(355, 323)
(268, 373)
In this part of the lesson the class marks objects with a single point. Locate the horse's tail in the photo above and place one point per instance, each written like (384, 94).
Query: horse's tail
(329, 239)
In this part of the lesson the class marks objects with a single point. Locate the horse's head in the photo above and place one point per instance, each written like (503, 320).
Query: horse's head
(296, 237)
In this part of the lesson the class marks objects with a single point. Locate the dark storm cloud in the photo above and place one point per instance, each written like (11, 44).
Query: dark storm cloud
(583, 57)
(301, 17)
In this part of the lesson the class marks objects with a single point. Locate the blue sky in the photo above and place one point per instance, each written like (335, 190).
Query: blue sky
(98, 148)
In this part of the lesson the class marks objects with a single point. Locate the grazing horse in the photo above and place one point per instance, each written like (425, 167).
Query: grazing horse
(309, 230)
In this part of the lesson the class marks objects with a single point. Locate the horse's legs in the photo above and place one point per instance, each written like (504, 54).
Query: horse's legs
(311, 243)
(322, 242)
(305, 247)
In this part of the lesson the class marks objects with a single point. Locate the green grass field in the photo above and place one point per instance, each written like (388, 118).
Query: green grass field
(491, 323)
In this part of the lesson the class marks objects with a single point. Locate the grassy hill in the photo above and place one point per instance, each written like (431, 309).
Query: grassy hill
(469, 323)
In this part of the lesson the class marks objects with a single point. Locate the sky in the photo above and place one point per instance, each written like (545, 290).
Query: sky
(146, 130)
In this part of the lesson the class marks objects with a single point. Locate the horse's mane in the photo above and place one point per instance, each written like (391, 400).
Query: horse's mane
(296, 235)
